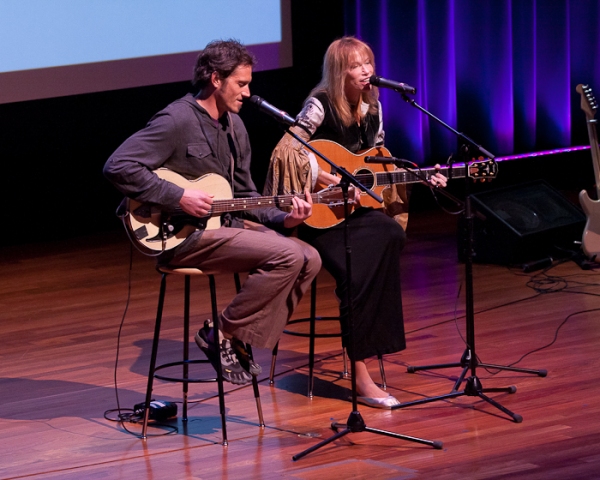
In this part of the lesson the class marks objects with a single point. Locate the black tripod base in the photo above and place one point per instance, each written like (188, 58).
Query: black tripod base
(356, 424)
(473, 388)
(541, 372)
(465, 362)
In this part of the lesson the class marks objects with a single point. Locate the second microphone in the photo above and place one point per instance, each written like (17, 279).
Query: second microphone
(269, 109)
(397, 86)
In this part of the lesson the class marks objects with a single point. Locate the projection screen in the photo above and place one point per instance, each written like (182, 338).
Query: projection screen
(66, 47)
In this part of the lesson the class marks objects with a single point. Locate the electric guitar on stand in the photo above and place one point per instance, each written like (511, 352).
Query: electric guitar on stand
(590, 242)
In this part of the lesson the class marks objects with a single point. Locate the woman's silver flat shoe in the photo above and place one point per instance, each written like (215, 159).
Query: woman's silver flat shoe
(385, 402)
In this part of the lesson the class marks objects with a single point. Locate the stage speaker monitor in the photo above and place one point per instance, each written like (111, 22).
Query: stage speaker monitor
(521, 223)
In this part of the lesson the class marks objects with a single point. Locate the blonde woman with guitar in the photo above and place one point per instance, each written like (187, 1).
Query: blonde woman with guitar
(342, 116)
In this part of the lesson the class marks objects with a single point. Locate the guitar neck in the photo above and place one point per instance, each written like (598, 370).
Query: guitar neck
(591, 126)
(249, 203)
(403, 176)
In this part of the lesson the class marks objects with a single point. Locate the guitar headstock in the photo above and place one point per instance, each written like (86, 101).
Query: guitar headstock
(482, 169)
(588, 103)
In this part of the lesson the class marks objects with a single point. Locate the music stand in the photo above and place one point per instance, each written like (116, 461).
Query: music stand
(469, 361)
(355, 422)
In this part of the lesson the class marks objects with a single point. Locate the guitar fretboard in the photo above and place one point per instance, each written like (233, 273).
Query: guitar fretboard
(247, 203)
(389, 178)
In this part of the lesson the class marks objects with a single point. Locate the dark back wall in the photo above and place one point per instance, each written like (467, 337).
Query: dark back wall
(53, 150)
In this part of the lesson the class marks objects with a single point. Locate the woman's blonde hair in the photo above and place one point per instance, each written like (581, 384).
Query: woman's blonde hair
(338, 58)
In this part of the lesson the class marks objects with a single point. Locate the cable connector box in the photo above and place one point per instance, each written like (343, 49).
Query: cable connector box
(159, 410)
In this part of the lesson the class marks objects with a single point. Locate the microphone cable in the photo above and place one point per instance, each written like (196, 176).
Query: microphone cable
(128, 414)
(542, 284)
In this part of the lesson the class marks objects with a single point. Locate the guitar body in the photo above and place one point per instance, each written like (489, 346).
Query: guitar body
(376, 176)
(590, 242)
(153, 230)
(146, 223)
(325, 216)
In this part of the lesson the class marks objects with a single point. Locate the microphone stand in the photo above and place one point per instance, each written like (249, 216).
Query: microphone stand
(469, 361)
(355, 422)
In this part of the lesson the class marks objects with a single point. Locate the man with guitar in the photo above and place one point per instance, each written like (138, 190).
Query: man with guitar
(202, 136)
(344, 109)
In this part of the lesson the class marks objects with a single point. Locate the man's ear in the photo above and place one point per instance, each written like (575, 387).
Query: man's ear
(215, 79)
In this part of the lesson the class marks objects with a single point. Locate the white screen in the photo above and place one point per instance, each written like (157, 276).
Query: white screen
(62, 47)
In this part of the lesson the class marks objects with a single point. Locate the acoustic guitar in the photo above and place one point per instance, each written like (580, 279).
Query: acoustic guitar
(590, 242)
(153, 230)
(377, 177)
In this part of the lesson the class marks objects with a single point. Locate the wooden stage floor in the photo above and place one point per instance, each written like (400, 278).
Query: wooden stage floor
(61, 305)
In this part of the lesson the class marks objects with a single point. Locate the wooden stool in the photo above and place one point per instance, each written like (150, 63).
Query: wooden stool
(185, 379)
(312, 335)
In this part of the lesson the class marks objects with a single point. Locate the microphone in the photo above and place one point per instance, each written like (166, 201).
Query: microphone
(269, 109)
(388, 160)
(396, 86)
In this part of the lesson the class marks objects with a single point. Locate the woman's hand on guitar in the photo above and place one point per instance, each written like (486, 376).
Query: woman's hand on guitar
(196, 202)
(354, 196)
(301, 210)
(329, 179)
(437, 179)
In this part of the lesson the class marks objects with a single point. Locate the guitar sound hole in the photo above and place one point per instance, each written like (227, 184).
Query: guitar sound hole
(366, 177)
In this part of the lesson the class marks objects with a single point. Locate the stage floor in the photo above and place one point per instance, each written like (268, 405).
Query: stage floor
(61, 305)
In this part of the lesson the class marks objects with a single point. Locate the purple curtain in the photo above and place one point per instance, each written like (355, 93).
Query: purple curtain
(502, 72)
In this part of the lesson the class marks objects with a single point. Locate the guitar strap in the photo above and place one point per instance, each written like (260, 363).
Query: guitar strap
(212, 149)
(232, 166)
(226, 219)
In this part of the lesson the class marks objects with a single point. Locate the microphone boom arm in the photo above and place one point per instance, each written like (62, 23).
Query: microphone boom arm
(467, 140)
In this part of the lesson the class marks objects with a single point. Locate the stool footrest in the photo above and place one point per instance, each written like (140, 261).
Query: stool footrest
(307, 334)
(181, 379)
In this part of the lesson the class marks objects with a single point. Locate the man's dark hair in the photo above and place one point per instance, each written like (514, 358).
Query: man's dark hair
(223, 57)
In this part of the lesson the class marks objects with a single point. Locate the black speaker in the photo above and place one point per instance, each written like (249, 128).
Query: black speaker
(521, 223)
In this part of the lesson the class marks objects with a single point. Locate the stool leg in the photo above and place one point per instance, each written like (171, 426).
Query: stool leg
(261, 421)
(345, 373)
(186, 346)
(161, 299)
(273, 360)
(215, 315)
(238, 283)
(311, 342)
(382, 371)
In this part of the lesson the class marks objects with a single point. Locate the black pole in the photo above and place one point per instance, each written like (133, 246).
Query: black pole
(473, 386)
(469, 358)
